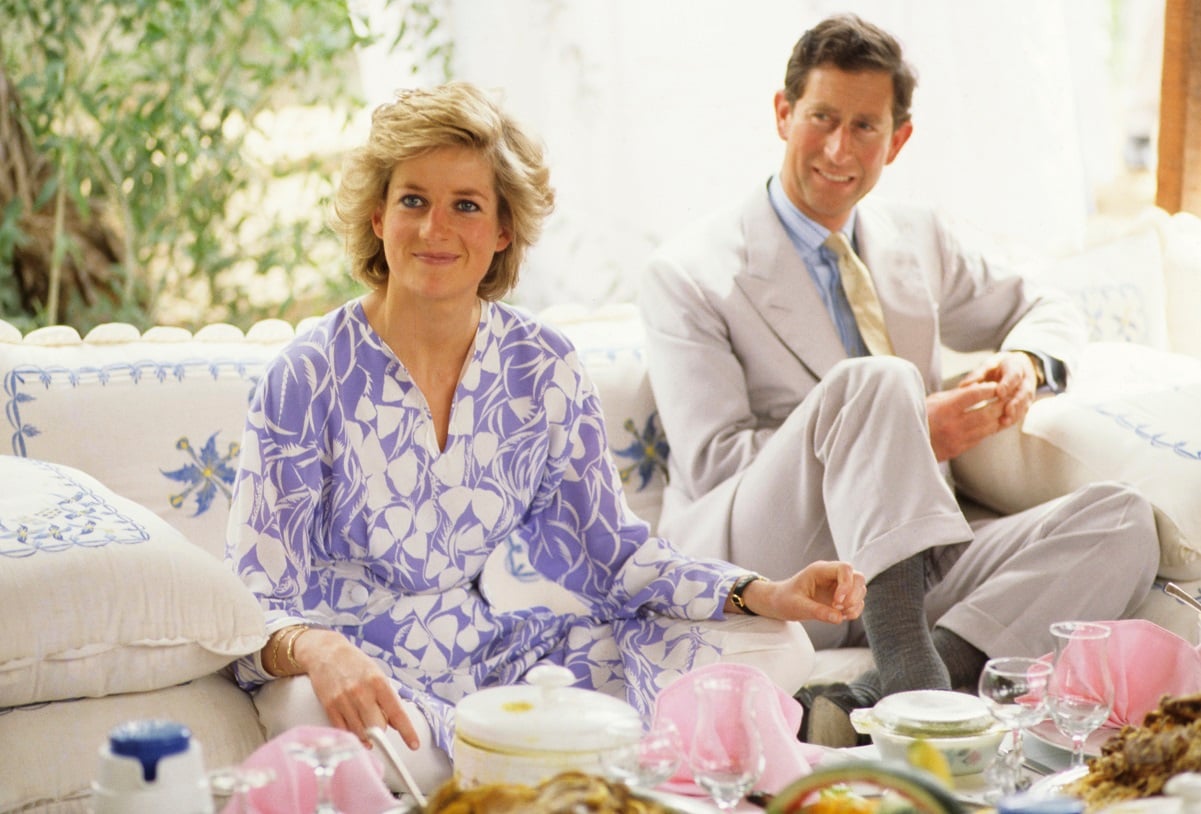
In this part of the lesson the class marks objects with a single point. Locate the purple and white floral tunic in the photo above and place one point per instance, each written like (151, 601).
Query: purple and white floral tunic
(347, 514)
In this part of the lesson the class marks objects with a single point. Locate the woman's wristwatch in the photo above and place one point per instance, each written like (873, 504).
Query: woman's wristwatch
(740, 586)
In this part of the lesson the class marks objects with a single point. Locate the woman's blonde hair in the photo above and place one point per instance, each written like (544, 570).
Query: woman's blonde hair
(456, 114)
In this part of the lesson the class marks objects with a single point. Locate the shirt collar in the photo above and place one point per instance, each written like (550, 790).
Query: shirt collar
(806, 234)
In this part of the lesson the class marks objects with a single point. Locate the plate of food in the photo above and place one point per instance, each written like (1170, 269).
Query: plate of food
(1139, 762)
(566, 791)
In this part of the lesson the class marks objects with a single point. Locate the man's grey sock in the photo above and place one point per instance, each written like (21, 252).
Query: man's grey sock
(894, 618)
(964, 662)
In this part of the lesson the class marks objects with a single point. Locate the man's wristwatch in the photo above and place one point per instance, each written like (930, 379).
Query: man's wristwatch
(1050, 372)
(739, 587)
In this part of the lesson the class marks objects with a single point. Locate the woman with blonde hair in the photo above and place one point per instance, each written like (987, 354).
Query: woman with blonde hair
(392, 448)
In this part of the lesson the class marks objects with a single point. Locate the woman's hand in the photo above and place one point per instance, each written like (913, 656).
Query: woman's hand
(826, 591)
(354, 691)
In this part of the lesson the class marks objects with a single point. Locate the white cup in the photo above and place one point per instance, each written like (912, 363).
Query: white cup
(150, 767)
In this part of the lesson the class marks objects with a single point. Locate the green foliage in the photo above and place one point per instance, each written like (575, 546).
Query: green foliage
(148, 116)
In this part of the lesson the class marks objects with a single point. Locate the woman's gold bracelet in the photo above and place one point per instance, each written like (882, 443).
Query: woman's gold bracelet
(290, 634)
(290, 653)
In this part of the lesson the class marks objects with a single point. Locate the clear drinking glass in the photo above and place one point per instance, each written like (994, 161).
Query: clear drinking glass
(647, 754)
(236, 783)
(726, 756)
(1080, 690)
(324, 753)
(1015, 690)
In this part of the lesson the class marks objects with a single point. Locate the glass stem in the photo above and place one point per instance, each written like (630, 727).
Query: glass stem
(325, 802)
(1077, 751)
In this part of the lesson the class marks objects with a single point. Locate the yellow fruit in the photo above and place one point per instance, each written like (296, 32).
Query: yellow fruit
(922, 754)
(839, 799)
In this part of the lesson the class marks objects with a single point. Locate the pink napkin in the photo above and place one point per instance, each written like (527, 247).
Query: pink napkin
(777, 713)
(358, 786)
(1147, 662)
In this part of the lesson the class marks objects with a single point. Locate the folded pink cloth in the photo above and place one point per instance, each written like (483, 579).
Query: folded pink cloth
(358, 786)
(777, 714)
(1147, 662)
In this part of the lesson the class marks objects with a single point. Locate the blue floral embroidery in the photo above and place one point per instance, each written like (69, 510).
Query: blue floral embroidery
(1156, 438)
(70, 516)
(648, 451)
(1115, 314)
(207, 474)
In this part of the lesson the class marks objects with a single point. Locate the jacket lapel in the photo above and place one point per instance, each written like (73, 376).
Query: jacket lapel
(779, 287)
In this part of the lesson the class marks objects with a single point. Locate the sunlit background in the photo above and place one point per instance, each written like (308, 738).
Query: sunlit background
(1034, 120)
(1034, 129)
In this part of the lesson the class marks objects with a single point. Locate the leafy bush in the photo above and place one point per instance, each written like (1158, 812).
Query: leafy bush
(127, 185)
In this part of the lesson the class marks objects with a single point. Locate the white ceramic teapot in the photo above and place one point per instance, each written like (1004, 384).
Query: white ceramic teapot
(526, 733)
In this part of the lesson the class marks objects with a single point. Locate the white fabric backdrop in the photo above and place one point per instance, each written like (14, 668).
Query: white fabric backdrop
(656, 111)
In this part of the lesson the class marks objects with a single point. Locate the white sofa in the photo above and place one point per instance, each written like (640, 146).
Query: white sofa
(118, 453)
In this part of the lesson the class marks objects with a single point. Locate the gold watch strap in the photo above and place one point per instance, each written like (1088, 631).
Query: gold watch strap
(739, 587)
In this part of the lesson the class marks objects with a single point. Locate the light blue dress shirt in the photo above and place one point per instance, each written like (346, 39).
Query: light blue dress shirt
(808, 237)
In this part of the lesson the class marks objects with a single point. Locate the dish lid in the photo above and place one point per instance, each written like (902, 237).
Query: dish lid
(547, 714)
(933, 713)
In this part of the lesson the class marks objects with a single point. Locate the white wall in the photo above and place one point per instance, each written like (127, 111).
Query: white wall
(655, 111)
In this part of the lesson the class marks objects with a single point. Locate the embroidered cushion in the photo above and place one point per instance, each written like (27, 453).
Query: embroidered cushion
(157, 418)
(1130, 414)
(99, 595)
(1119, 285)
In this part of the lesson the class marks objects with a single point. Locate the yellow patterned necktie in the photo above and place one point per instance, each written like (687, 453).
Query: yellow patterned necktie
(861, 295)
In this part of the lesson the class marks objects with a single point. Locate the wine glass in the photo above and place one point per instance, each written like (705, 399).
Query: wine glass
(236, 783)
(726, 756)
(646, 754)
(1015, 690)
(1080, 690)
(324, 752)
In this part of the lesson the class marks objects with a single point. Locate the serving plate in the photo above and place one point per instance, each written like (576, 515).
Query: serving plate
(1053, 784)
(679, 803)
(1047, 733)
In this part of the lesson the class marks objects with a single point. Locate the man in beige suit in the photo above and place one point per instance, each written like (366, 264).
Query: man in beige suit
(791, 442)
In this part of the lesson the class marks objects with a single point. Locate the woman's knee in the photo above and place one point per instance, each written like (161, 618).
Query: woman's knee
(287, 703)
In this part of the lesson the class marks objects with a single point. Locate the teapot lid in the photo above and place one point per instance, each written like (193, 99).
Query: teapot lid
(545, 714)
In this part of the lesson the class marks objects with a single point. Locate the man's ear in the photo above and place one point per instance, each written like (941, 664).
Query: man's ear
(899, 137)
(783, 114)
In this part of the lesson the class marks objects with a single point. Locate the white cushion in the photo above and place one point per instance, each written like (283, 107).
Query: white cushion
(1119, 285)
(51, 751)
(100, 596)
(1131, 414)
(1170, 613)
(1181, 235)
(157, 418)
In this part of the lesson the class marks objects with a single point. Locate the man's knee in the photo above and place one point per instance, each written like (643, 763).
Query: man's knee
(1126, 521)
(888, 378)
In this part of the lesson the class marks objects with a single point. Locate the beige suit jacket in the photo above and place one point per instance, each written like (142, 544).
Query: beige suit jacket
(737, 336)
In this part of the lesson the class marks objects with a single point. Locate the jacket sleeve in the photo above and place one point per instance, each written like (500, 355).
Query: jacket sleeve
(986, 306)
